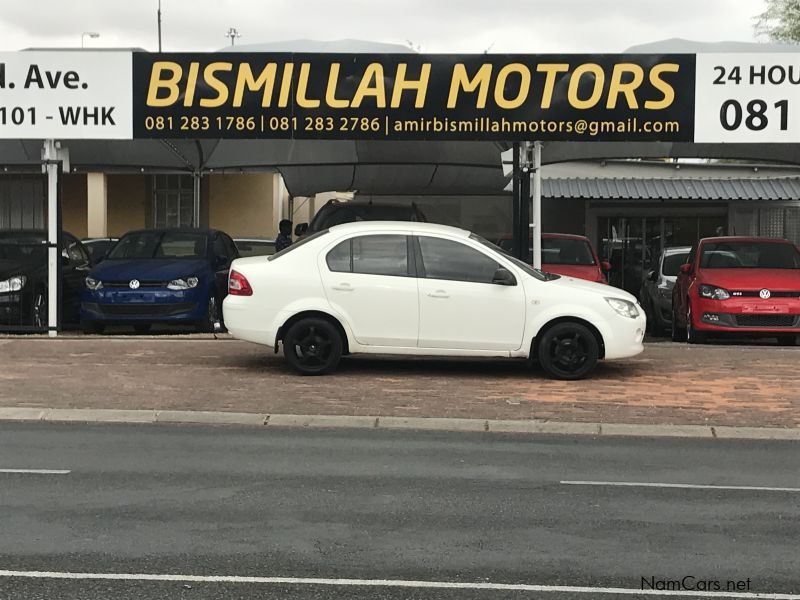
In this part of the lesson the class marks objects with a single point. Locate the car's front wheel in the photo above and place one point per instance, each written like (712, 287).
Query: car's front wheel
(568, 351)
(313, 346)
(692, 335)
(212, 321)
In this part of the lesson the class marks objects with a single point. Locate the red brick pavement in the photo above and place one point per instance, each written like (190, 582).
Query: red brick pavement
(669, 383)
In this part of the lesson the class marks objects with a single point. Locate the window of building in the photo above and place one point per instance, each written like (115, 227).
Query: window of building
(173, 201)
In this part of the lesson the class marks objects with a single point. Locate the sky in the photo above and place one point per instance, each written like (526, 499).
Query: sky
(459, 26)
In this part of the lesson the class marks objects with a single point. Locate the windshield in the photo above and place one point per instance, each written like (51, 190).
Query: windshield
(22, 249)
(561, 251)
(749, 255)
(540, 275)
(159, 244)
(672, 263)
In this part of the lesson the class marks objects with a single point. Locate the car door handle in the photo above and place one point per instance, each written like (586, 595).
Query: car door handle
(439, 294)
(343, 287)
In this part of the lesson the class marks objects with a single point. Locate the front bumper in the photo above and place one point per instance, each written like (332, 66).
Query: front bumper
(152, 305)
(754, 315)
(624, 337)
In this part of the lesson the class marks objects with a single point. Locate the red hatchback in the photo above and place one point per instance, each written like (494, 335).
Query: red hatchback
(573, 256)
(738, 285)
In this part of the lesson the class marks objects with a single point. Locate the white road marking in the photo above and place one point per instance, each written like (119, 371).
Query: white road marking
(688, 486)
(37, 471)
(393, 583)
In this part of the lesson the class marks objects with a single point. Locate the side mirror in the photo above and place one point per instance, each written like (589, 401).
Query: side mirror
(300, 229)
(606, 266)
(503, 276)
(652, 276)
(686, 269)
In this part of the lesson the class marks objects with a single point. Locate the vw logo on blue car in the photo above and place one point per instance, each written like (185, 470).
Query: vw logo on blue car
(134, 284)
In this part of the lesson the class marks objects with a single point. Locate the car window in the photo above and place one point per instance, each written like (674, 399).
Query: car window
(446, 259)
(340, 258)
(254, 248)
(566, 251)
(380, 255)
(673, 262)
(155, 244)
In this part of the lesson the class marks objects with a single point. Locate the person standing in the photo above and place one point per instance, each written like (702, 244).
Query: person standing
(284, 239)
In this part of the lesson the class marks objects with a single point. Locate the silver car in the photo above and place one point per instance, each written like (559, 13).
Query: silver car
(656, 292)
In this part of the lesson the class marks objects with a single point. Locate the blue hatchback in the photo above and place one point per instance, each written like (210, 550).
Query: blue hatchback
(177, 276)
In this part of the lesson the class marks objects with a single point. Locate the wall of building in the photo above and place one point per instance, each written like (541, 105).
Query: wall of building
(73, 204)
(127, 199)
(242, 205)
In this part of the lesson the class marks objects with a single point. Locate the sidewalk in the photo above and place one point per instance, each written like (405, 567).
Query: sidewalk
(668, 384)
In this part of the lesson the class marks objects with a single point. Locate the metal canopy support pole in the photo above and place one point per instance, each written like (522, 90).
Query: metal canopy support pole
(536, 204)
(524, 231)
(196, 199)
(516, 202)
(52, 155)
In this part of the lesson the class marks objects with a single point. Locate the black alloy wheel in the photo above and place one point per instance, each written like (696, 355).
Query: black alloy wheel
(568, 351)
(39, 310)
(313, 346)
(212, 321)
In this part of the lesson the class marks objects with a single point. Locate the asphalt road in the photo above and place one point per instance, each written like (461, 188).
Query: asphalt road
(465, 509)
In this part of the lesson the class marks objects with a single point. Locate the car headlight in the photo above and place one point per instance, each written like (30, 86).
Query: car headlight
(13, 284)
(623, 307)
(93, 284)
(713, 292)
(183, 284)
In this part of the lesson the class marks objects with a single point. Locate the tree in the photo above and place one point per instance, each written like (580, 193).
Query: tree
(780, 22)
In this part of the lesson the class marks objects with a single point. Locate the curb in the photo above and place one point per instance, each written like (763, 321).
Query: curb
(81, 415)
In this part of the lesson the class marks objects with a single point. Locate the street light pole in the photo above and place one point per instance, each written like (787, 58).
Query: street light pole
(91, 34)
(159, 25)
(233, 33)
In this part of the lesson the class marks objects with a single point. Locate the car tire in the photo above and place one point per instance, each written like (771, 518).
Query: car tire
(656, 330)
(787, 339)
(692, 335)
(142, 328)
(568, 351)
(208, 324)
(313, 346)
(39, 317)
(90, 327)
(676, 332)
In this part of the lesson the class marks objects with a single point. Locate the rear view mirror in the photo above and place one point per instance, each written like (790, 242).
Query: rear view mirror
(652, 276)
(686, 269)
(300, 229)
(606, 266)
(503, 276)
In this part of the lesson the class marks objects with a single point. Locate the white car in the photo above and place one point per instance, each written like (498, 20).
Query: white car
(380, 287)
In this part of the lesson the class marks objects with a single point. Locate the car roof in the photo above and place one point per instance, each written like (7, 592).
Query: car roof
(564, 236)
(176, 230)
(400, 226)
(731, 238)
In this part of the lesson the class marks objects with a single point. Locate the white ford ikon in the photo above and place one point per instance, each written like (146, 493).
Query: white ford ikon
(381, 287)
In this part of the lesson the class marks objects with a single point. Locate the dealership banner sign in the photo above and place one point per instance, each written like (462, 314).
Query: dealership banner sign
(751, 98)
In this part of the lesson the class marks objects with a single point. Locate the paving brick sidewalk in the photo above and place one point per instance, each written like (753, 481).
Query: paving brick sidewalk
(669, 383)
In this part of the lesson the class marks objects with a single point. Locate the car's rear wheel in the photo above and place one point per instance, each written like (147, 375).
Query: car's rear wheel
(313, 346)
(692, 335)
(787, 339)
(568, 351)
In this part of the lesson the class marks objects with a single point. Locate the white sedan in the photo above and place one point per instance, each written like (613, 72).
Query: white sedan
(379, 287)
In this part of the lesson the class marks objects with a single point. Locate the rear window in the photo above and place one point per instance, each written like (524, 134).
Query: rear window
(558, 251)
(297, 245)
(672, 263)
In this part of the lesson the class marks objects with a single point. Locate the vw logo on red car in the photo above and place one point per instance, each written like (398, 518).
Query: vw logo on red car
(134, 284)
(765, 294)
